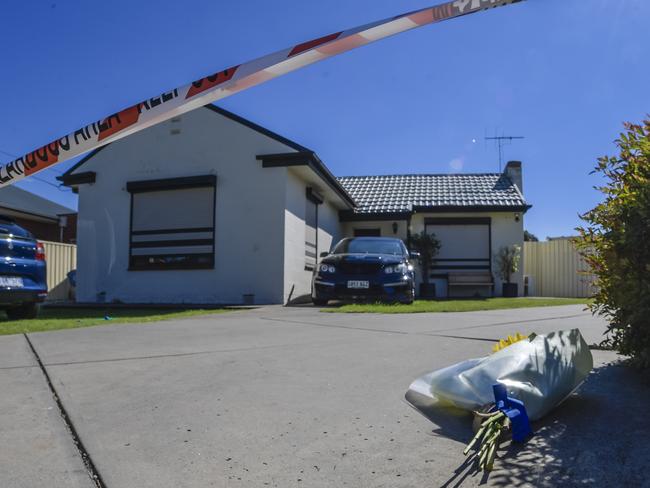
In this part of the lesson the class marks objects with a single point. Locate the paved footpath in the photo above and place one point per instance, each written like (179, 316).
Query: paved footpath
(292, 397)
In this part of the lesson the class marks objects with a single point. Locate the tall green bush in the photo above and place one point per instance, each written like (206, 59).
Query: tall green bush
(615, 241)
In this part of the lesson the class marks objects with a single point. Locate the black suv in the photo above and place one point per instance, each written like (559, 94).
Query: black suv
(365, 268)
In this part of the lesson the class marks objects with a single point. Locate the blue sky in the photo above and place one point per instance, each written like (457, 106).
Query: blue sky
(563, 73)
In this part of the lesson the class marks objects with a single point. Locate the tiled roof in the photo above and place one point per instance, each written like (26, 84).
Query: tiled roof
(401, 193)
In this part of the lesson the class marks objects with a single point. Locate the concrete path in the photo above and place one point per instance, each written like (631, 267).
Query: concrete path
(295, 397)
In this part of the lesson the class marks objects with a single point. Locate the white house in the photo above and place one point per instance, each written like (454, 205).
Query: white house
(211, 208)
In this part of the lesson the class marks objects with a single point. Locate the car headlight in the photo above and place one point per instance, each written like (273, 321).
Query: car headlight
(327, 268)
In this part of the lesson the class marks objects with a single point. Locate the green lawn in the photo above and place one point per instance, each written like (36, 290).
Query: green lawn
(72, 318)
(462, 305)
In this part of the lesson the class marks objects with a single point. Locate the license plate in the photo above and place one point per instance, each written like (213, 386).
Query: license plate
(11, 281)
(359, 284)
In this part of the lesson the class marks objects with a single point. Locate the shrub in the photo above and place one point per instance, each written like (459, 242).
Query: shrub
(507, 260)
(615, 241)
(428, 246)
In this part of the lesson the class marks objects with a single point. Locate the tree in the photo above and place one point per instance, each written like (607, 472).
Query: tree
(615, 241)
(428, 246)
(530, 237)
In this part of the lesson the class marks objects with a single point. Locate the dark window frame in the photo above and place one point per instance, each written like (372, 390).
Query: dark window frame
(199, 261)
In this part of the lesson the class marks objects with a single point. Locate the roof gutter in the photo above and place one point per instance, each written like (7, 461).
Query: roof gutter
(352, 216)
(470, 208)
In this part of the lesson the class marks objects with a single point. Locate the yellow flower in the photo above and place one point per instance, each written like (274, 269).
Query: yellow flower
(503, 343)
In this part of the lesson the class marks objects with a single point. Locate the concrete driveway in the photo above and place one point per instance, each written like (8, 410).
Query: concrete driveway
(294, 397)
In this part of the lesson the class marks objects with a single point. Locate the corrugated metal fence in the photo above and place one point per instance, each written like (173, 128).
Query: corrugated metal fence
(61, 258)
(555, 269)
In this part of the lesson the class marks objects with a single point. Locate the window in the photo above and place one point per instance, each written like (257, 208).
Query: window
(367, 232)
(311, 228)
(465, 242)
(172, 223)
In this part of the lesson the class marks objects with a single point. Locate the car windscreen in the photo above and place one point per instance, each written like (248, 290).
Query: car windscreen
(369, 246)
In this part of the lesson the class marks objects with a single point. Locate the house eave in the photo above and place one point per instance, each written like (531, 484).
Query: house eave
(80, 163)
(16, 212)
(311, 160)
(77, 179)
(351, 216)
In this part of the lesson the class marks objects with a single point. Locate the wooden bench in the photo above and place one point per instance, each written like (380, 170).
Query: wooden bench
(470, 279)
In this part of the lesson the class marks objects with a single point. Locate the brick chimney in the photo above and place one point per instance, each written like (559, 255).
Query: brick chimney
(513, 171)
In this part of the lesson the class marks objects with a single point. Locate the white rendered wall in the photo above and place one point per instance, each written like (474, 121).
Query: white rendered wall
(385, 226)
(249, 214)
(297, 280)
(507, 232)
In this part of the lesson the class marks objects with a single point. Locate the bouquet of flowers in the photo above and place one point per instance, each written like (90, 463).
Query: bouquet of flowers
(524, 379)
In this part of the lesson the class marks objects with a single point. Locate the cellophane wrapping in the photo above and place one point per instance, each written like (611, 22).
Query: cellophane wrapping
(541, 372)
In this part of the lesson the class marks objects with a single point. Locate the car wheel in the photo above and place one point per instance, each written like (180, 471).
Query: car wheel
(27, 311)
(319, 302)
(409, 298)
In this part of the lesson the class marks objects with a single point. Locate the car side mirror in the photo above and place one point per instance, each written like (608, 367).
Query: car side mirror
(324, 254)
(414, 254)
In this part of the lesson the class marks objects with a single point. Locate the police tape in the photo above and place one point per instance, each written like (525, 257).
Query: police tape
(228, 82)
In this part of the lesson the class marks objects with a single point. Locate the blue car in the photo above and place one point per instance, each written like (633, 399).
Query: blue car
(365, 268)
(23, 283)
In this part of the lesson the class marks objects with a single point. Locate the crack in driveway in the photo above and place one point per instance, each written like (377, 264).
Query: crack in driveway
(460, 337)
(432, 333)
(4, 368)
(316, 324)
(179, 354)
(510, 323)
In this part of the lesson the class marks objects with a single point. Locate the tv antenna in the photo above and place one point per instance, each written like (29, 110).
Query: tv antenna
(502, 141)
